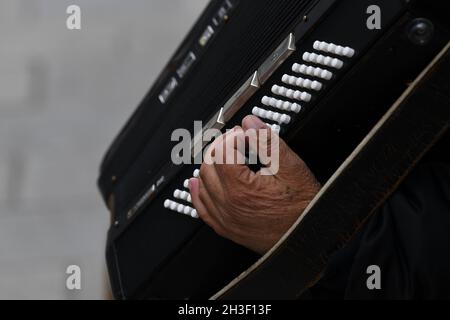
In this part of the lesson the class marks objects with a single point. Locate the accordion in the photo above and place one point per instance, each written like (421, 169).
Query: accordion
(321, 73)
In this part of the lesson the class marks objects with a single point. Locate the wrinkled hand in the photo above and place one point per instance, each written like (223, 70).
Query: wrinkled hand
(252, 209)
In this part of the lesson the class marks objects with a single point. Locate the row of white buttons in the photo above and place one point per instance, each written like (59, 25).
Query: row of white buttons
(312, 71)
(291, 94)
(270, 115)
(301, 82)
(180, 208)
(334, 49)
(281, 104)
(182, 195)
(323, 60)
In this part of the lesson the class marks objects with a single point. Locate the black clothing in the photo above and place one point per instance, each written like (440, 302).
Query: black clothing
(409, 239)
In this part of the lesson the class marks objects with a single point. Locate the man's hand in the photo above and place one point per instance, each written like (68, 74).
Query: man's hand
(249, 208)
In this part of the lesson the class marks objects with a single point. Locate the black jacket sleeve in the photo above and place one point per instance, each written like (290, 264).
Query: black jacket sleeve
(408, 239)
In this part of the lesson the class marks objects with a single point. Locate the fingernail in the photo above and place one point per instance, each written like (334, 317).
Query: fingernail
(192, 181)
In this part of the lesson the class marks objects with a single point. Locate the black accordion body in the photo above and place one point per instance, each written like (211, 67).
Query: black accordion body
(317, 71)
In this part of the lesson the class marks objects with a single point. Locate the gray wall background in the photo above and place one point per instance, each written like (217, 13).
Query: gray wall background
(64, 95)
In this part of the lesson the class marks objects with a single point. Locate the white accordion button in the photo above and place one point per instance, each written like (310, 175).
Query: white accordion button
(196, 173)
(187, 210)
(291, 94)
(348, 52)
(334, 49)
(323, 60)
(301, 82)
(167, 204)
(180, 208)
(274, 127)
(186, 184)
